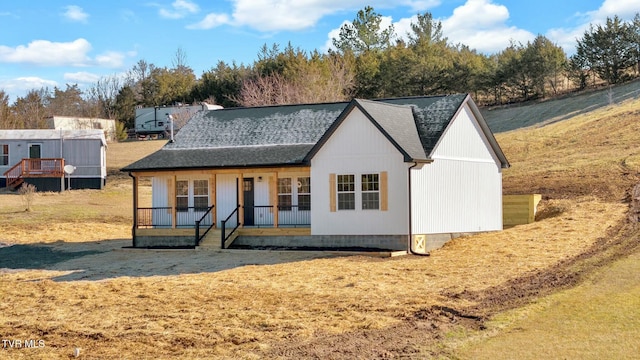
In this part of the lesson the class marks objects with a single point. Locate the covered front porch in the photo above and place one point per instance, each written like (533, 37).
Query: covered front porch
(213, 207)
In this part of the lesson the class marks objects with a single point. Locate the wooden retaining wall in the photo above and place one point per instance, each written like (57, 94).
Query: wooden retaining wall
(519, 209)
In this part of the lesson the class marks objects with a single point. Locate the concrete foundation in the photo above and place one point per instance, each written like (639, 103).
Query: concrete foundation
(163, 241)
(385, 242)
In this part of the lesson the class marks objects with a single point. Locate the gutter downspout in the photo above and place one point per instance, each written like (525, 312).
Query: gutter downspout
(410, 242)
(135, 209)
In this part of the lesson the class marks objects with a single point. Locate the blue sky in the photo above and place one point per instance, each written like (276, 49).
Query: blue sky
(47, 43)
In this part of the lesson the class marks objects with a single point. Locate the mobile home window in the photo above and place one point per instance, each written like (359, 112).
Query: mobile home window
(182, 195)
(4, 154)
(201, 194)
(346, 192)
(370, 192)
(304, 193)
(284, 194)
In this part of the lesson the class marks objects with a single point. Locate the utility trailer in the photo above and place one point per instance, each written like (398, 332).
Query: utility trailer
(155, 122)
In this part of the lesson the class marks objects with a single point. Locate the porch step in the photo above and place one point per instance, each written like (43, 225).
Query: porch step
(212, 240)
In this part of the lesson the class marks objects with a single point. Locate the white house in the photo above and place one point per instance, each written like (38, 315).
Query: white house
(82, 123)
(39, 157)
(403, 173)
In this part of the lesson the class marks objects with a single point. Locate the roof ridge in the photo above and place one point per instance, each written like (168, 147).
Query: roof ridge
(234, 147)
(379, 102)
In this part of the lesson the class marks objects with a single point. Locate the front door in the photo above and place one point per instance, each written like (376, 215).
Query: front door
(35, 152)
(247, 185)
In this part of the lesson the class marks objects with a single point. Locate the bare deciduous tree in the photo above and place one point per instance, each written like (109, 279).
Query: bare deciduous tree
(30, 110)
(28, 194)
(103, 93)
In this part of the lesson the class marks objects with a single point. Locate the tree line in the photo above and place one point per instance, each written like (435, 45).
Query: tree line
(369, 61)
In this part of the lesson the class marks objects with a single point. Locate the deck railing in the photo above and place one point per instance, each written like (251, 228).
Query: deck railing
(26, 168)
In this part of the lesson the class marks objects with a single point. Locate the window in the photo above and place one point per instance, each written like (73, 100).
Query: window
(182, 195)
(201, 195)
(304, 193)
(4, 155)
(370, 192)
(346, 192)
(284, 194)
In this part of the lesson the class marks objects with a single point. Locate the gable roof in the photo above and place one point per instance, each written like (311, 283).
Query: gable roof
(291, 134)
(396, 122)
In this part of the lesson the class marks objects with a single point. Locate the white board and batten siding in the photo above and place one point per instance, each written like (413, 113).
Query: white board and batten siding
(357, 147)
(226, 197)
(461, 191)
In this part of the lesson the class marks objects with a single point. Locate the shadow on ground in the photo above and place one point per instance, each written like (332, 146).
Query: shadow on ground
(111, 259)
(35, 257)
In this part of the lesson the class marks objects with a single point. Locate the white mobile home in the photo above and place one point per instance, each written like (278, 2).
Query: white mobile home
(39, 157)
(404, 173)
(82, 123)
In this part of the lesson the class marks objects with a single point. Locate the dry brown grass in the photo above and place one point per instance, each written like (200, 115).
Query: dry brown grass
(242, 312)
(248, 311)
(591, 154)
(79, 215)
(124, 153)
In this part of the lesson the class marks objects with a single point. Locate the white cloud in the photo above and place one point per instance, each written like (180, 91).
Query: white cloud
(179, 9)
(481, 25)
(567, 37)
(47, 53)
(81, 77)
(274, 15)
(625, 9)
(290, 15)
(211, 21)
(112, 59)
(75, 13)
(21, 85)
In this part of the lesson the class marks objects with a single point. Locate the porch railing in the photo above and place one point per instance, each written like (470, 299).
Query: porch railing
(162, 217)
(158, 217)
(200, 221)
(288, 215)
(223, 226)
(294, 215)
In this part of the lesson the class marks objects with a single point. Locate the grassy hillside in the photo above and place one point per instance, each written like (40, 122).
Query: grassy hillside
(159, 304)
(511, 117)
(595, 153)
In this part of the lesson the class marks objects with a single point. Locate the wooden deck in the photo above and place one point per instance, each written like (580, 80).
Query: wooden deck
(34, 168)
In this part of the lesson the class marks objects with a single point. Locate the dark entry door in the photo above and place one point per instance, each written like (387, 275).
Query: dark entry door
(247, 185)
(35, 152)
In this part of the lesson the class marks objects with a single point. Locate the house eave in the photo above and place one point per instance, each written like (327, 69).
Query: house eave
(213, 168)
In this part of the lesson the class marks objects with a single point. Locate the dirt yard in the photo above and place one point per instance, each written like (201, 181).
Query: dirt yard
(108, 259)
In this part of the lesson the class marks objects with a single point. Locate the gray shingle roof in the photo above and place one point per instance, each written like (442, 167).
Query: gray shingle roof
(432, 115)
(288, 135)
(397, 122)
